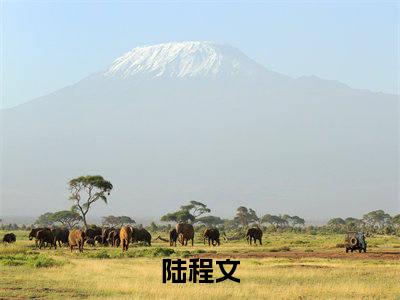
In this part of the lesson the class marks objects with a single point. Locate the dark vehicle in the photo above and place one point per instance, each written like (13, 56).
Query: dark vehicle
(355, 241)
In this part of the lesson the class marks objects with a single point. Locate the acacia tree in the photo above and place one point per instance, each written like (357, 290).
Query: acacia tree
(196, 208)
(276, 221)
(336, 224)
(296, 220)
(187, 213)
(245, 216)
(45, 220)
(86, 190)
(376, 219)
(396, 220)
(353, 224)
(178, 216)
(67, 218)
(114, 221)
(292, 220)
(210, 221)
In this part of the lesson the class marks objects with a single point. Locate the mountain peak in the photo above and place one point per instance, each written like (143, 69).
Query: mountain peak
(183, 59)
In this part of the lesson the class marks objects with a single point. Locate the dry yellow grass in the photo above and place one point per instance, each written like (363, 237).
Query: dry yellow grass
(140, 278)
(83, 276)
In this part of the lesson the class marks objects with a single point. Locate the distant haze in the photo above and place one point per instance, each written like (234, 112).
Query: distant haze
(176, 122)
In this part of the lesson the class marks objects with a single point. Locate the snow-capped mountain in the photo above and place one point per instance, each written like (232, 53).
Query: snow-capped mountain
(198, 120)
(183, 59)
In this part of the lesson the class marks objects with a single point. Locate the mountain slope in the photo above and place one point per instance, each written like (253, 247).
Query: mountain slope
(178, 122)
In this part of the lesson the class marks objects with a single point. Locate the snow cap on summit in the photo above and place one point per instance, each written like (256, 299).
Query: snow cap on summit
(183, 59)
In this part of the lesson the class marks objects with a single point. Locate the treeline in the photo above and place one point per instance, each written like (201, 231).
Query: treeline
(374, 222)
(198, 214)
(85, 191)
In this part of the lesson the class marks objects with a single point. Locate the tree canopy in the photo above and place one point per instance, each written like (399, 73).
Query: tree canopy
(67, 218)
(210, 221)
(178, 216)
(245, 216)
(187, 213)
(396, 220)
(116, 221)
(275, 220)
(376, 218)
(86, 190)
(196, 208)
(45, 220)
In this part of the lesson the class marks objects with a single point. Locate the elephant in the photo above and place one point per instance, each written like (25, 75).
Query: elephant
(212, 234)
(141, 235)
(9, 238)
(76, 238)
(45, 237)
(125, 235)
(185, 233)
(60, 235)
(255, 234)
(173, 236)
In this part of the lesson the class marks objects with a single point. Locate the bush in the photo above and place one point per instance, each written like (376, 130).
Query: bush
(33, 260)
(299, 242)
(280, 249)
(199, 251)
(42, 261)
(11, 262)
(185, 254)
(162, 252)
(152, 252)
(103, 254)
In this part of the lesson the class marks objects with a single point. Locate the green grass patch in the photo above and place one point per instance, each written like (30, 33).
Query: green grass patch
(102, 254)
(150, 252)
(32, 260)
(280, 249)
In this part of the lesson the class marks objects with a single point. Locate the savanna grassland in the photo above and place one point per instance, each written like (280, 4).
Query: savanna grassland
(287, 265)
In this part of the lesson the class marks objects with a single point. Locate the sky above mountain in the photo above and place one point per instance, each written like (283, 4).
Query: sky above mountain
(49, 45)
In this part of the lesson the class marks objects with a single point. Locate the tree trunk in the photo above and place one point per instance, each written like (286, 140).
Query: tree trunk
(84, 221)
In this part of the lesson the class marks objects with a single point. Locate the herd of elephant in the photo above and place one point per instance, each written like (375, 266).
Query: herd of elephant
(123, 236)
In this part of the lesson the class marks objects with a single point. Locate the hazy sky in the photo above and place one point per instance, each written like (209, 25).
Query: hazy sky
(48, 45)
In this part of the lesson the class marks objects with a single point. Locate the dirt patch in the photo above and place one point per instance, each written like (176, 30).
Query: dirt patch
(381, 255)
(303, 266)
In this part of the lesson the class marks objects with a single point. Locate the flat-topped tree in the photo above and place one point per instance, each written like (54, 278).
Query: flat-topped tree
(113, 221)
(245, 216)
(210, 221)
(179, 216)
(196, 208)
(86, 190)
(45, 220)
(187, 213)
(67, 218)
